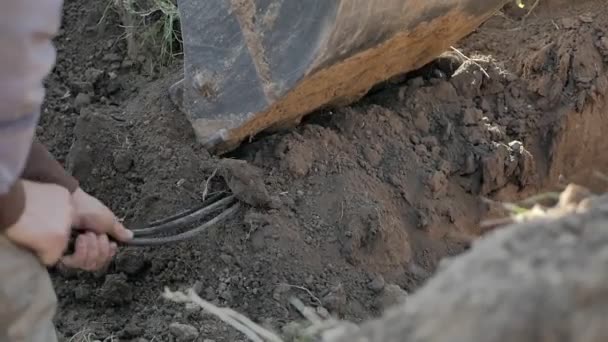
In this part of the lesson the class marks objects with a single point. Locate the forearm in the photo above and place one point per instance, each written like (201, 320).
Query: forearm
(15, 143)
(42, 167)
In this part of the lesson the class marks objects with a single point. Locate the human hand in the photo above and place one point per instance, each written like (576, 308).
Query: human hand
(46, 222)
(93, 249)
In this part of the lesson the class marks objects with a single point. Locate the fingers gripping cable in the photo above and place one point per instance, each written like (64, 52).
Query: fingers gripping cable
(214, 211)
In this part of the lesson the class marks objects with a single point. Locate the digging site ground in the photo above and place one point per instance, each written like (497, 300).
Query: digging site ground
(355, 208)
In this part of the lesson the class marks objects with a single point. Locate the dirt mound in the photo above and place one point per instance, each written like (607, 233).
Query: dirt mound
(540, 281)
(353, 204)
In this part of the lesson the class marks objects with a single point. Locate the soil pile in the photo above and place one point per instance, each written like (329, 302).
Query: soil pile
(357, 206)
(538, 281)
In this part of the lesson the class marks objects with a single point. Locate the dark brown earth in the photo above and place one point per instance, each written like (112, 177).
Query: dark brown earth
(352, 203)
(539, 281)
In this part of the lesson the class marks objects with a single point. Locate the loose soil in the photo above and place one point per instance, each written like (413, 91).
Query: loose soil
(357, 206)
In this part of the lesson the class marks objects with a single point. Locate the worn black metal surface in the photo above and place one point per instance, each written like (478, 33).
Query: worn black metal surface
(241, 56)
(223, 83)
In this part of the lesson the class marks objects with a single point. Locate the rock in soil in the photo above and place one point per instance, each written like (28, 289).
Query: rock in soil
(391, 295)
(131, 263)
(246, 182)
(82, 100)
(377, 283)
(116, 290)
(336, 299)
(183, 332)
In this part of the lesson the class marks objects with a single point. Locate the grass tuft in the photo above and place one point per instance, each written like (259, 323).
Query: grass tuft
(151, 25)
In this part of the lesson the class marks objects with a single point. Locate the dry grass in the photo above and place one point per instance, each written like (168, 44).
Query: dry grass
(85, 335)
(572, 199)
(313, 328)
(149, 25)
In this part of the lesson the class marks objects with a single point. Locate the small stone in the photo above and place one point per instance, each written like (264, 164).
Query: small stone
(430, 141)
(423, 220)
(191, 307)
(82, 100)
(421, 150)
(516, 145)
(92, 75)
(569, 23)
(246, 182)
(183, 332)
(469, 165)
(603, 45)
(81, 293)
(335, 300)
(127, 63)
(133, 330)
(322, 312)
(83, 87)
(166, 153)
(131, 263)
(438, 183)
(258, 241)
(227, 259)
(391, 295)
(210, 293)
(198, 287)
(421, 122)
(586, 18)
(116, 290)
(275, 202)
(416, 82)
(496, 133)
(372, 156)
(445, 167)
(123, 161)
(291, 331)
(114, 87)
(111, 57)
(226, 295)
(471, 116)
(377, 284)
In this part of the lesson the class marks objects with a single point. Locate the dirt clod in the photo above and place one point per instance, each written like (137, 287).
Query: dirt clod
(542, 268)
(115, 290)
(246, 182)
(131, 263)
(377, 283)
(183, 332)
(335, 300)
(390, 296)
(123, 161)
(388, 186)
(82, 100)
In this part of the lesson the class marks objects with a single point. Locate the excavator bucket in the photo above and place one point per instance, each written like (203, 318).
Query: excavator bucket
(256, 65)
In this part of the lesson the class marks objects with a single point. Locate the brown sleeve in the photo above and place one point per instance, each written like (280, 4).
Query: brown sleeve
(12, 205)
(42, 167)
